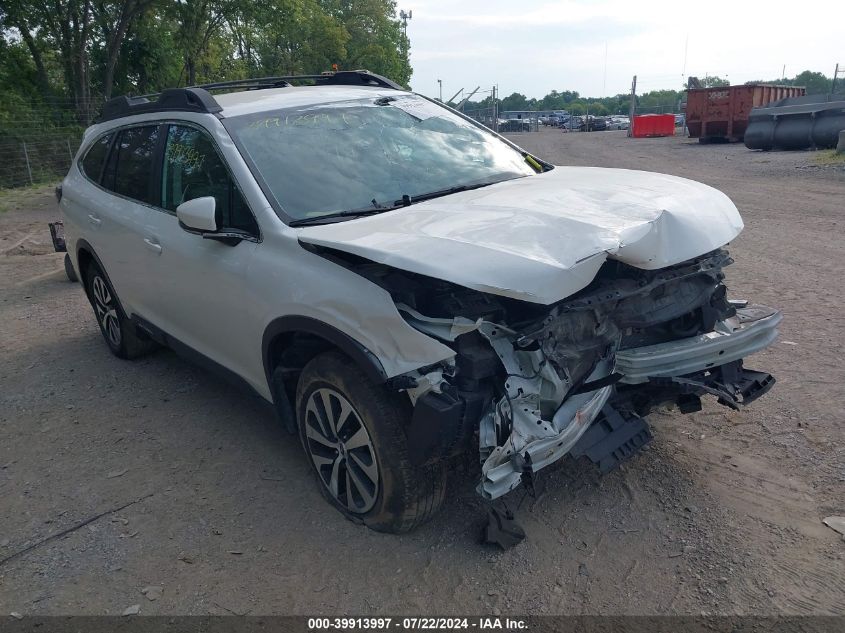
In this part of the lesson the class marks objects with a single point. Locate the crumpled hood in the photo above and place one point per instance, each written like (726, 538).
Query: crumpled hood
(542, 238)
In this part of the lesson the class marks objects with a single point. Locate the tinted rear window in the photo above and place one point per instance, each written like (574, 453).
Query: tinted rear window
(131, 166)
(92, 164)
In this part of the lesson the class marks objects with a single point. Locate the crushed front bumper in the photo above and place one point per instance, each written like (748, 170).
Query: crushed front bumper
(751, 330)
(674, 369)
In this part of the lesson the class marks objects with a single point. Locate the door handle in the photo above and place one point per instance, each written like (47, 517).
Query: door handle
(94, 220)
(152, 245)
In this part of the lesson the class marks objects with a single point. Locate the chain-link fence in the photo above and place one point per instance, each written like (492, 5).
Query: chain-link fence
(485, 116)
(37, 158)
(505, 121)
(38, 137)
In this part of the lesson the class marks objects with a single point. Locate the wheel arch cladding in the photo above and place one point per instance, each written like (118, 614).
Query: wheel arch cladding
(299, 339)
(84, 257)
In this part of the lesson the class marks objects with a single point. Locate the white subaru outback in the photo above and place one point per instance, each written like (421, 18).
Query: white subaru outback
(403, 284)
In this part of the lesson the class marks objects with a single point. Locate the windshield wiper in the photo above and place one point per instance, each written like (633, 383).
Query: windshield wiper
(377, 207)
(408, 200)
(326, 218)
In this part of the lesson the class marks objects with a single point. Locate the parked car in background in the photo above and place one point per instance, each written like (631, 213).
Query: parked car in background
(593, 124)
(558, 118)
(618, 123)
(572, 123)
(680, 120)
(514, 125)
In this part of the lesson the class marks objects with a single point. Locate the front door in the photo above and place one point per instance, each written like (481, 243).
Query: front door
(201, 282)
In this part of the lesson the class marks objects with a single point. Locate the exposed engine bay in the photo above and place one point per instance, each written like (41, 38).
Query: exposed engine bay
(530, 383)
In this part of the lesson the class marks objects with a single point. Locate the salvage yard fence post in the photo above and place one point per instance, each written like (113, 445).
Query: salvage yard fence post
(28, 167)
(632, 109)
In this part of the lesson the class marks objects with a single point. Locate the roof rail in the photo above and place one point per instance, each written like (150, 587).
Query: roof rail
(337, 78)
(199, 98)
(172, 99)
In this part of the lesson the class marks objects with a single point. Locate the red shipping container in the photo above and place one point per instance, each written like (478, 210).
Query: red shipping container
(653, 125)
(722, 113)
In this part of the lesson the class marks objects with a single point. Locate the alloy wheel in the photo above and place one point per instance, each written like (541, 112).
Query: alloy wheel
(342, 450)
(106, 308)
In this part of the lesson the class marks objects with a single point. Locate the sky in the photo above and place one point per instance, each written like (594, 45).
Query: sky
(535, 46)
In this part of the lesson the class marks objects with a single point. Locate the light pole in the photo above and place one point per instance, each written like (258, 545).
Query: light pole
(440, 81)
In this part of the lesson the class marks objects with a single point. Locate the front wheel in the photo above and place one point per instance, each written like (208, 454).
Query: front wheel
(352, 432)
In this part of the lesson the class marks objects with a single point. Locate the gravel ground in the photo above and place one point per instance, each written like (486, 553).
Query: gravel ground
(116, 477)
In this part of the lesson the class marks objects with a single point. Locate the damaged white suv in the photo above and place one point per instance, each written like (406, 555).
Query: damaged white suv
(403, 284)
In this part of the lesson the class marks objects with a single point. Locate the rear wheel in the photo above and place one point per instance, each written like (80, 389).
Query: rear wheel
(119, 332)
(352, 432)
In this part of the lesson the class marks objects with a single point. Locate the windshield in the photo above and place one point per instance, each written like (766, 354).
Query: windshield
(369, 154)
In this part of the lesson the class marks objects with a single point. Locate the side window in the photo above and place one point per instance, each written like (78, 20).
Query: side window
(92, 164)
(130, 167)
(193, 169)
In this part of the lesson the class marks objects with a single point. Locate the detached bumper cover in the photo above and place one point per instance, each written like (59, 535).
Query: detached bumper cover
(751, 330)
(580, 411)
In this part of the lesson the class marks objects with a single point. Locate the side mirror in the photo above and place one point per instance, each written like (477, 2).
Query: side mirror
(198, 214)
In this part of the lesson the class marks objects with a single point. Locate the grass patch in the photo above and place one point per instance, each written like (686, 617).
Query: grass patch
(829, 157)
(22, 197)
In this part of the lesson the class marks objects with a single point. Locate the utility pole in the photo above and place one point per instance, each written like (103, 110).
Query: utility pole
(632, 108)
(494, 120)
(604, 78)
(833, 83)
(496, 108)
(440, 81)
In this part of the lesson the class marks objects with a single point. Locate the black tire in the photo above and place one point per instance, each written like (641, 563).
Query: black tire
(404, 496)
(69, 271)
(120, 334)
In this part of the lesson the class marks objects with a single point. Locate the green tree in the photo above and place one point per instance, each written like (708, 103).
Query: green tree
(515, 101)
(294, 37)
(75, 31)
(376, 41)
(599, 109)
(151, 57)
(714, 82)
(814, 82)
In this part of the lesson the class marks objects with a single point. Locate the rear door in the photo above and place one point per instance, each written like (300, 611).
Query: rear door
(83, 199)
(122, 218)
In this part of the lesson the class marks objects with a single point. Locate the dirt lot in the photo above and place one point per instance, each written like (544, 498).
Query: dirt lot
(117, 476)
